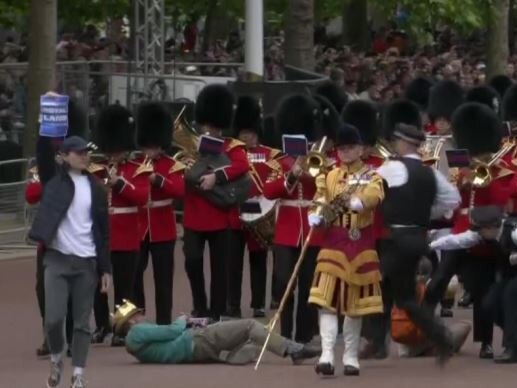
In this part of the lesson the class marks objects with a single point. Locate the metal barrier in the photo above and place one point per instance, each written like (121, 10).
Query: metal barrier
(15, 214)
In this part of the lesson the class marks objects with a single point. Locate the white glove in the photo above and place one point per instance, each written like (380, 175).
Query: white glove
(513, 258)
(514, 236)
(315, 220)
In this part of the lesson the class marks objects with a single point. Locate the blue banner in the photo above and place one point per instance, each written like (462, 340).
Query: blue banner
(53, 115)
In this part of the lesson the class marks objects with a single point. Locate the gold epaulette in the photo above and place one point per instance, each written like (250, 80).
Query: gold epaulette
(274, 153)
(234, 143)
(143, 168)
(274, 164)
(176, 167)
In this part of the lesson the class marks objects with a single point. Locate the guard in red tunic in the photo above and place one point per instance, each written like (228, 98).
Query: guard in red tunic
(509, 114)
(128, 184)
(203, 220)
(444, 98)
(157, 218)
(247, 127)
(297, 114)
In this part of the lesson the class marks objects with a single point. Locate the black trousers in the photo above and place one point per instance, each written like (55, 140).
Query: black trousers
(124, 269)
(501, 304)
(306, 314)
(162, 255)
(400, 258)
(40, 295)
(258, 278)
(478, 275)
(194, 245)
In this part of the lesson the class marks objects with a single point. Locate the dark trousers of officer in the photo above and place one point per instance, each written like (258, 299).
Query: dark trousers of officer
(40, 295)
(258, 273)
(501, 304)
(478, 275)
(306, 315)
(401, 254)
(194, 245)
(162, 255)
(124, 269)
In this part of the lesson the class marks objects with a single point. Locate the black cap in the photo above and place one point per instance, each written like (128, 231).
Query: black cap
(74, 144)
(485, 216)
(409, 133)
(348, 135)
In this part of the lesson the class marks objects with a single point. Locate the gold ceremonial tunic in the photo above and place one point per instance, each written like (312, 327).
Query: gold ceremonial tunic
(347, 276)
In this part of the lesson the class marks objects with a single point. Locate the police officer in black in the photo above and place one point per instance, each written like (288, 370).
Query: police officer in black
(415, 194)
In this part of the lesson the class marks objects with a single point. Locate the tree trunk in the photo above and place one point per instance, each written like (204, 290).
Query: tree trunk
(208, 34)
(299, 34)
(497, 37)
(355, 24)
(42, 62)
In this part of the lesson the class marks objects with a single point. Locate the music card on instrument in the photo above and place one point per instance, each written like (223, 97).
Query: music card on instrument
(295, 145)
(251, 206)
(458, 158)
(210, 145)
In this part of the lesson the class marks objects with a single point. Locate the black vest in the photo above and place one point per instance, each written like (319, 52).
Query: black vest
(410, 204)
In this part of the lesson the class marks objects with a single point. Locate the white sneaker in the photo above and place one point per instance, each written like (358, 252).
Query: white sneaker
(78, 382)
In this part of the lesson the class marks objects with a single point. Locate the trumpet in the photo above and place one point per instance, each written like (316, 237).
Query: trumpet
(482, 175)
(316, 162)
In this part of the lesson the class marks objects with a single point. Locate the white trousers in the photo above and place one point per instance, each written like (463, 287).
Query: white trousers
(328, 323)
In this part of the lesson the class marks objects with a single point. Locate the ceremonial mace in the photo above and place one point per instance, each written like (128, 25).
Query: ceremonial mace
(272, 323)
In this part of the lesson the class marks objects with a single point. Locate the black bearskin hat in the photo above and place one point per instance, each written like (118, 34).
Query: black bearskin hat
(298, 114)
(484, 95)
(77, 120)
(477, 128)
(362, 115)
(115, 129)
(330, 118)
(332, 92)
(418, 91)
(510, 104)
(154, 125)
(248, 115)
(501, 83)
(400, 111)
(444, 98)
(214, 106)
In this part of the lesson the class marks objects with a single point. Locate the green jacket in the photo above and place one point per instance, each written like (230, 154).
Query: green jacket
(165, 344)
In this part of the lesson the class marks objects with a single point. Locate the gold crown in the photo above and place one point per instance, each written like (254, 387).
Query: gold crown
(123, 313)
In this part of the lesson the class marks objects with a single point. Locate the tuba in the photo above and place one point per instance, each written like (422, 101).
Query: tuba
(482, 175)
(185, 137)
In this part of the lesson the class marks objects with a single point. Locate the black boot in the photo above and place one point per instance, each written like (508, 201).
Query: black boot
(117, 341)
(324, 369)
(509, 356)
(486, 352)
(446, 313)
(99, 335)
(305, 353)
(466, 300)
(351, 370)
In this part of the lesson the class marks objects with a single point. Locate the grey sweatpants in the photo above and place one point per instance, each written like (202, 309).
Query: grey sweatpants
(235, 342)
(75, 277)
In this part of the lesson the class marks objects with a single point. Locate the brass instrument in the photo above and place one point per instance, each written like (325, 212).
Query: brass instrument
(482, 175)
(433, 152)
(185, 137)
(316, 162)
(383, 151)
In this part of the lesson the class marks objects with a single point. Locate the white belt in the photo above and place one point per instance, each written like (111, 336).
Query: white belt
(295, 202)
(123, 210)
(464, 211)
(161, 203)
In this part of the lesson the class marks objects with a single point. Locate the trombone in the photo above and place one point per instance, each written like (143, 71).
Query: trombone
(482, 175)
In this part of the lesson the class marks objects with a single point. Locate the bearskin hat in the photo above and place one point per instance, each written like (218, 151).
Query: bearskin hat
(444, 98)
(501, 83)
(509, 108)
(298, 114)
(484, 95)
(332, 92)
(330, 118)
(400, 111)
(477, 128)
(214, 106)
(362, 115)
(418, 91)
(153, 125)
(77, 120)
(115, 129)
(248, 115)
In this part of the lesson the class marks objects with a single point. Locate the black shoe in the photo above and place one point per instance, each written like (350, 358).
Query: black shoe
(371, 351)
(465, 301)
(445, 350)
(486, 352)
(234, 312)
(118, 341)
(351, 370)
(69, 352)
(446, 313)
(200, 313)
(304, 354)
(324, 368)
(43, 350)
(99, 335)
(507, 357)
(259, 313)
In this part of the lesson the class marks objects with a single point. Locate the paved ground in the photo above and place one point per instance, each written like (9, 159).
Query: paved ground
(21, 333)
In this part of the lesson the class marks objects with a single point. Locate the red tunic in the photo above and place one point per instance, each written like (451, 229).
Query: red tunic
(157, 217)
(203, 216)
(292, 226)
